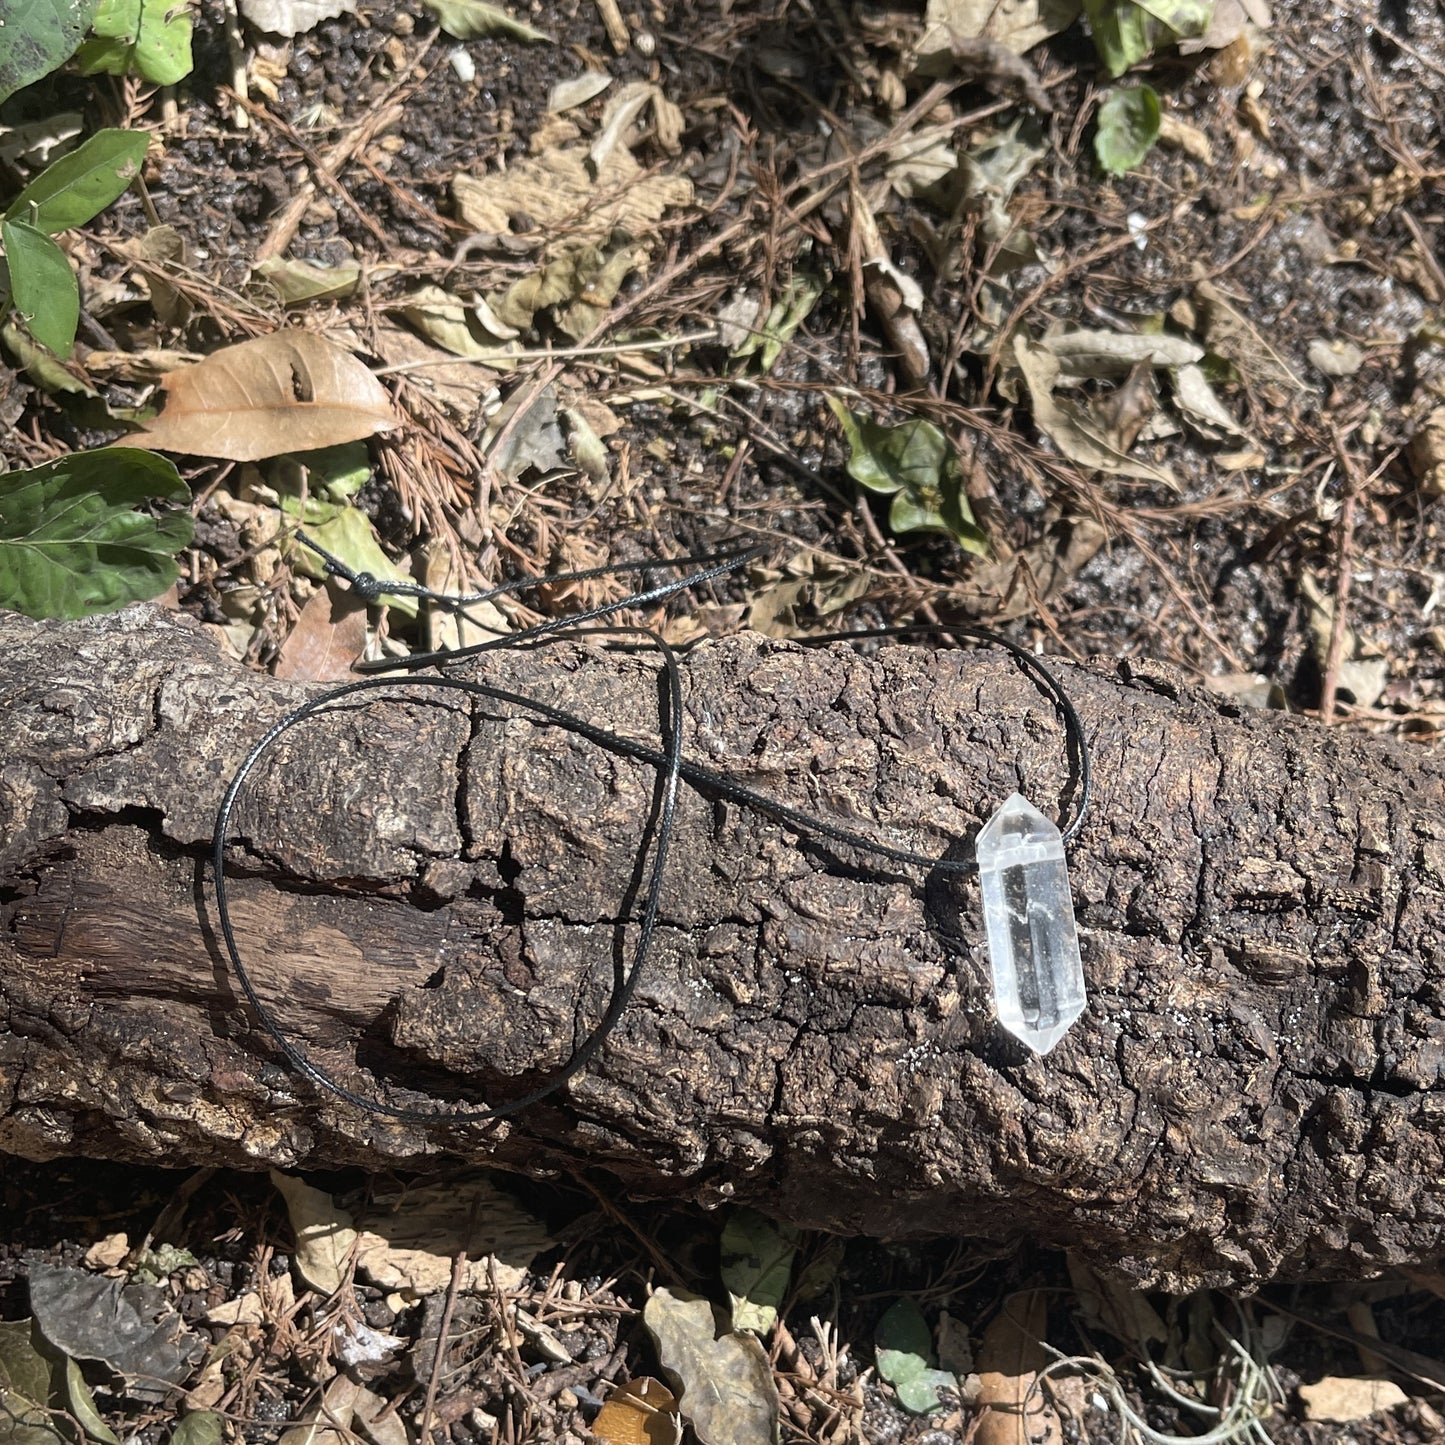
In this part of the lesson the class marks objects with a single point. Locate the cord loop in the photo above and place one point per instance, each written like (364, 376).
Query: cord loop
(667, 759)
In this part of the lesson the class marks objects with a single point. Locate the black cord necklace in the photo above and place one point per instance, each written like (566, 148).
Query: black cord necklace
(672, 769)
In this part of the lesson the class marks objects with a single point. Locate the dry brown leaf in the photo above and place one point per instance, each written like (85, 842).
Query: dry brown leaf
(1231, 334)
(148, 365)
(108, 1252)
(1427, 454)
(726, 1387)
(896, 298)
(460, 387)
(1114, 1306)
(1010, 1357)
(375, 1421)
(1018, 24)
(329, 636)
(1071, 426)
(324, 1236)
(450, 323)
(331, 1424)
(481, 622)
(1340, 1399)
(287, 392)
(560, 196)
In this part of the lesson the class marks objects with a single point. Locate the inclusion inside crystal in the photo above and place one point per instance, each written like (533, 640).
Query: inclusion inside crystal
(1028, 915)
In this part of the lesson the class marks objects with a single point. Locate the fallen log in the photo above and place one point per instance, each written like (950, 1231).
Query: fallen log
(433, 893)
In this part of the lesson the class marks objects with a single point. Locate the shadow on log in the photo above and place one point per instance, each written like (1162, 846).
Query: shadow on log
(433, 894)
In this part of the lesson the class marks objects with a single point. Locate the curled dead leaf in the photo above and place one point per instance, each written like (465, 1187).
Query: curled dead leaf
(287, 392)
(1010, 1357)
(329, 635)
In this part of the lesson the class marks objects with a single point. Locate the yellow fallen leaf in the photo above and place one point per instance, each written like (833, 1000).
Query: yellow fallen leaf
(641, 1412)
(287, 392)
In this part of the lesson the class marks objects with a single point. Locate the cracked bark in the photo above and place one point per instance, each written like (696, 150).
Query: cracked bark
(428, 890)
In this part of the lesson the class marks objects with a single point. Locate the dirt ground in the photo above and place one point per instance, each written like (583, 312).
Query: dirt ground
(1284, 545)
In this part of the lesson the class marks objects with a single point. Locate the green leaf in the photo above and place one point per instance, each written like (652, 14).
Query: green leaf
(82, 1406)
(891, 459)
(337, 473)
(1128, 31)
(299, 281)
(72, 542)
(40, 36)
(149, 38)
(1183, 17)
(1128, 126)
(42, 368)
(81, 185)
(473, 19)
(903, 1348)
(348, 534)
(757, 1263)
(42, 285)
(23, 1369)
(26, 1384)
(1121, 32)
(200, 1427)
(913, 463)
(788, 313)
(159, 1262)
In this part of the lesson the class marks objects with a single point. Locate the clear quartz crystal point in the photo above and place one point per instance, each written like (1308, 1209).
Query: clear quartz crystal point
(1028, 913)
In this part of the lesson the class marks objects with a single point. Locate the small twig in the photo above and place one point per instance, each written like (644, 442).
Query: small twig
(459, 1263)
(1427, 253)
(328, 166)
(660, 1262)
(1344, 575)
(236, 56)
(615, 25)
(556, 353)
(325, 168)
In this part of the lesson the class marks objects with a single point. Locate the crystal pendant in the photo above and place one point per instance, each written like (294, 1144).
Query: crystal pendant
(1028, 913)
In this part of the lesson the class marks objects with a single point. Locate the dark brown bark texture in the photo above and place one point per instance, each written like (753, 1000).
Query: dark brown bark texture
(428, 889)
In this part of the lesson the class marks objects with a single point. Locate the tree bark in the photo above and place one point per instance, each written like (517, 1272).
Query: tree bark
(428, 890)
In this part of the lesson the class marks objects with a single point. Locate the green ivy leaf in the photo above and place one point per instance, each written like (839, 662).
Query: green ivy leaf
(1128, 126)
(42, 285)
(40, 36)
(72, 542)
(903, 1348)
(915, 464)
(474, 19)
(24, 1371)
(81, 185)
(757, 1263)
(149, 38)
